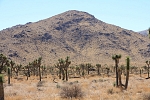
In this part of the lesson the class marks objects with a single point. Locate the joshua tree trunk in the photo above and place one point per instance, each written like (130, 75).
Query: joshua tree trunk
(116, 62)
(66, 75)
(60, 71)
(1, 89)
(27, 76)
(28, 72)
(8, 75)
(148, 63)
(148, 70)
(127, 79)
(63, 73)
(119, 76)
(11, 72)
(39, 73)
(127, 75)
(140, 72)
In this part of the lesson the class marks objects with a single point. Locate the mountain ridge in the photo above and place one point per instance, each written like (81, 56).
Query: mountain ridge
(73, 33)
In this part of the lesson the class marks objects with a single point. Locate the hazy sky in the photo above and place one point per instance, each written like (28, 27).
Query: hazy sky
(129, 14)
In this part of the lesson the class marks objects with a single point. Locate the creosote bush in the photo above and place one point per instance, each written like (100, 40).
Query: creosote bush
(71, 91)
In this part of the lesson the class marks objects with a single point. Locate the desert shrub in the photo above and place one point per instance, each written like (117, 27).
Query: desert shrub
(40, 83)
(71, 91)
(110, 91)
(146, 96)
(94, 81)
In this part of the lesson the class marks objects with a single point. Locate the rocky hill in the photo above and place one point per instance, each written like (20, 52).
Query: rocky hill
(76, 34)
(144, 32)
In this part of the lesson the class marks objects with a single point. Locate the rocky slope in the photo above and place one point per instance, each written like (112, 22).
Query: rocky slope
(76, 34)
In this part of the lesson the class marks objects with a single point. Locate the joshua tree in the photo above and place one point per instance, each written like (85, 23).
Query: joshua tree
(1, 88)
(116, 58)
(60, 65)
(83, 68)
(67, 63)
(3, 62)
(63, 65)
(11, 67)
(17, 68)
(28, 71)
(127, 75)
(78, 69)
(98, 68)
(148, 63)
(39, 66)
(108, 70)
(88, 66)
(149, 33)
(44, 70)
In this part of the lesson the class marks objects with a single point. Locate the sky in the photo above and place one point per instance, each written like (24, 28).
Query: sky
(129, 14)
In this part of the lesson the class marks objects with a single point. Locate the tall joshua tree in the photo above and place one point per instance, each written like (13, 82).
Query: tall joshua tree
(148, 63)
(127, 75)
(1, 88)
(149, 33)
(116, 58)
(67, 63)
(39, 66)
(60, 67)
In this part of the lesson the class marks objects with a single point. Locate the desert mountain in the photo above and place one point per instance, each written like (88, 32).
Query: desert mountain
(144, 32)
(76, 34)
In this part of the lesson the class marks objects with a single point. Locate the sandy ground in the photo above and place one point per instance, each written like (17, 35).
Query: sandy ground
(93, 87)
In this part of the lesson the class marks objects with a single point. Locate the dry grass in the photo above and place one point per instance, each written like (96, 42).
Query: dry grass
(94, 88)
